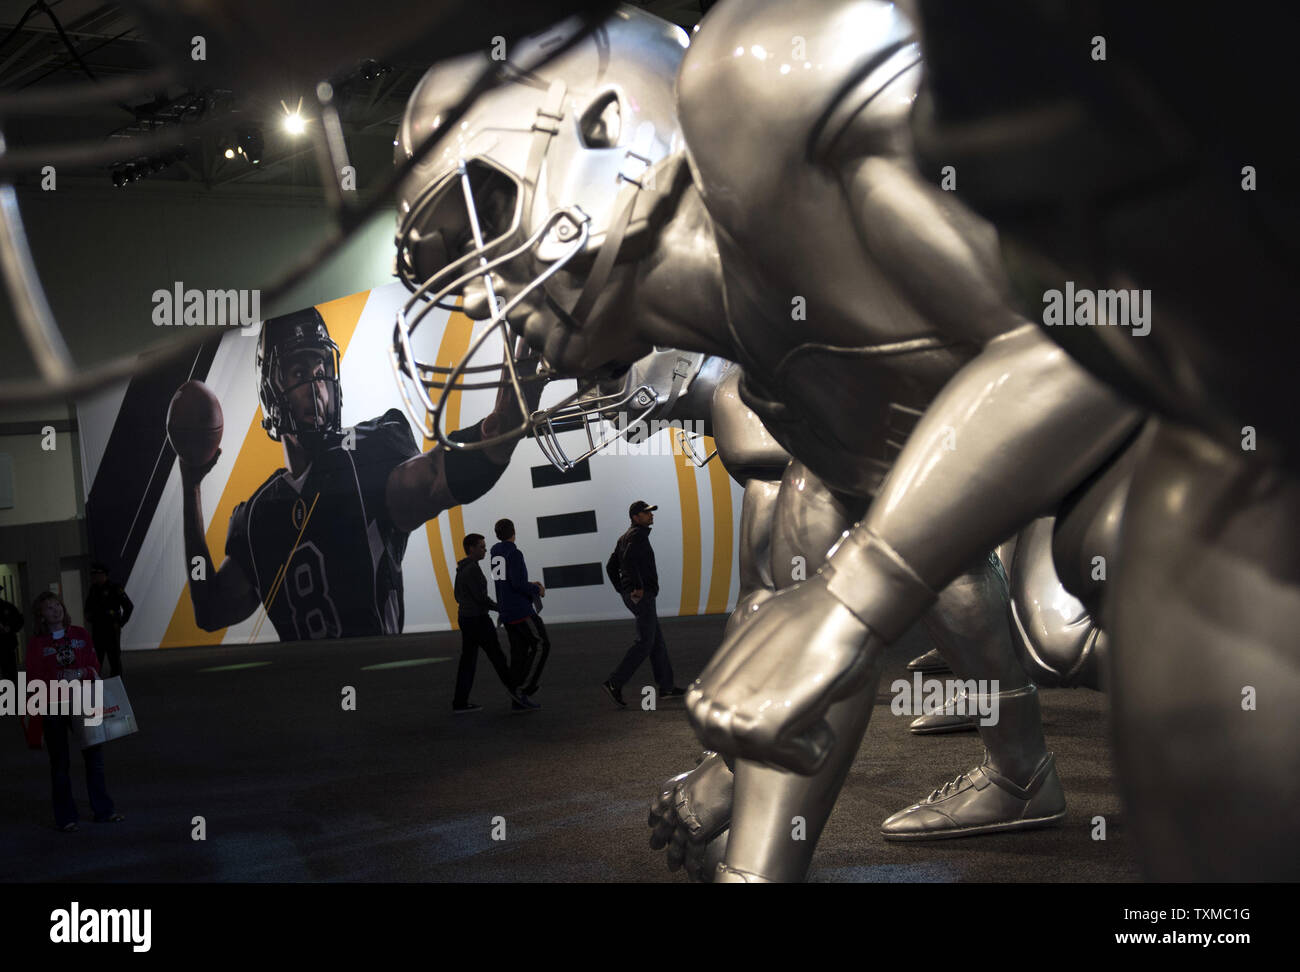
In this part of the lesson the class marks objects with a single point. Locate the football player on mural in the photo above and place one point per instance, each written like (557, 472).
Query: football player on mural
(320, 544)
(849, 290)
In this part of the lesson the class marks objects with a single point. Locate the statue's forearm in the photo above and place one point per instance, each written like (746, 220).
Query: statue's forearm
(1013, 432)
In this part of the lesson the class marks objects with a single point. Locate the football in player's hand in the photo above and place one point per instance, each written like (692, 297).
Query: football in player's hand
(194, 423)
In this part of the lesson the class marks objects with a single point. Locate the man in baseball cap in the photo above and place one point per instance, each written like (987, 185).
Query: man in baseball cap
(639, 586)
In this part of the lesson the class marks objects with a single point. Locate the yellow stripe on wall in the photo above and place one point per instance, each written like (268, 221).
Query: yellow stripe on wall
(258, 458)
(689, 502)
(720, 578)
(455, 343)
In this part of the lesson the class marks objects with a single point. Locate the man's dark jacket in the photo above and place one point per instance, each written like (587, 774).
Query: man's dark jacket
(471, 590)
(11, 622)
(108, 607)
(637, 563)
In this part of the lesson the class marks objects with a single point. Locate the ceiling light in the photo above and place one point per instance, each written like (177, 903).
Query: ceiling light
(294, 123)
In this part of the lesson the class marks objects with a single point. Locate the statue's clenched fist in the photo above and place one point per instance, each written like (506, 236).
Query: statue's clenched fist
(745, 609)
(690, 816)
(765, 694)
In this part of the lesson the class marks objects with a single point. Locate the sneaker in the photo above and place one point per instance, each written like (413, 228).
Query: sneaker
(615, 692)
(982, 801)
(525, 704)
(957, 715)
(471, 707)
(672, 693)
(69, 828)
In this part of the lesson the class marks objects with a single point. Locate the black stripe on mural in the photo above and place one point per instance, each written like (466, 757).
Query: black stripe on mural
(566, 524)
(573, 575)
(550, 476)
(136, 463)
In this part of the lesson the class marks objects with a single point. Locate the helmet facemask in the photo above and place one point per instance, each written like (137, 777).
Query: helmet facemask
(471, 218)
(610, 411)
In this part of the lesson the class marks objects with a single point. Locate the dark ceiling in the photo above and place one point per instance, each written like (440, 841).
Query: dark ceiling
(103, 41)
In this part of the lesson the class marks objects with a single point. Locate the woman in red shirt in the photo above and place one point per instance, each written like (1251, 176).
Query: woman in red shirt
(62, 651)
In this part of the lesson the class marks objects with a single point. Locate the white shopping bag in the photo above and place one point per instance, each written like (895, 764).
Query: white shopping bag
(118, 721)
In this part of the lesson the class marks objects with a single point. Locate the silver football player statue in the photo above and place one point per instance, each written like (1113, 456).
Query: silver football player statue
(1057, 638)
(773, 217)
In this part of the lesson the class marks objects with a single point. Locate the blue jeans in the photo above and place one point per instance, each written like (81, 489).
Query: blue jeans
(57, 730)
(649, 641)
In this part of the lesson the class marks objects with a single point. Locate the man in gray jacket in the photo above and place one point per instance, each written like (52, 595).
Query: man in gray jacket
(639, 586)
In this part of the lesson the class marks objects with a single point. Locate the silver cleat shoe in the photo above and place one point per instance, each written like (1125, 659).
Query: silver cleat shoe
(982, 801)
(928, 664)
(951, 718)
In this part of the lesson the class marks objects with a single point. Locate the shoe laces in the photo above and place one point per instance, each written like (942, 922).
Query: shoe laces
(949, 788)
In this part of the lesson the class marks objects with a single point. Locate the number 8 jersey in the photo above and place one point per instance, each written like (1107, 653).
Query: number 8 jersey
(321, 550)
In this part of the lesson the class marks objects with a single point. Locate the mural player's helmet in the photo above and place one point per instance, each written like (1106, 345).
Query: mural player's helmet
(280, 340)
(566, 165)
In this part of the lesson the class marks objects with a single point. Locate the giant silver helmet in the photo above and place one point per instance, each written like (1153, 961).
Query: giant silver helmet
(567, 165)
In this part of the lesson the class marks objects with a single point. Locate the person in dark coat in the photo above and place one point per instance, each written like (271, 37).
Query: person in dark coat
(639, 587)
(530, 645)
(476, 628)
(108, 609)
(11, 622)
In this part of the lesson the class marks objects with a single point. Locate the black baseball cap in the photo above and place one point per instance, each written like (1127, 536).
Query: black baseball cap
(640, 506)
(98, 568)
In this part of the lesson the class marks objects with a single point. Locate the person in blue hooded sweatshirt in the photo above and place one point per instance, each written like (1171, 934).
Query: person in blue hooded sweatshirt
(517, 596)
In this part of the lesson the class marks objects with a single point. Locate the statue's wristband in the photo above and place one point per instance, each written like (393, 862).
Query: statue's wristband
(872, 580)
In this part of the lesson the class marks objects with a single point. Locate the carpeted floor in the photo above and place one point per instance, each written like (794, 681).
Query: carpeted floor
(290, 787)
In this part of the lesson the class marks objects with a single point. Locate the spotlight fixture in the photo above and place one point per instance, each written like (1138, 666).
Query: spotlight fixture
(372, 70)
(294, 123)
(140, 168)
(228, 146)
